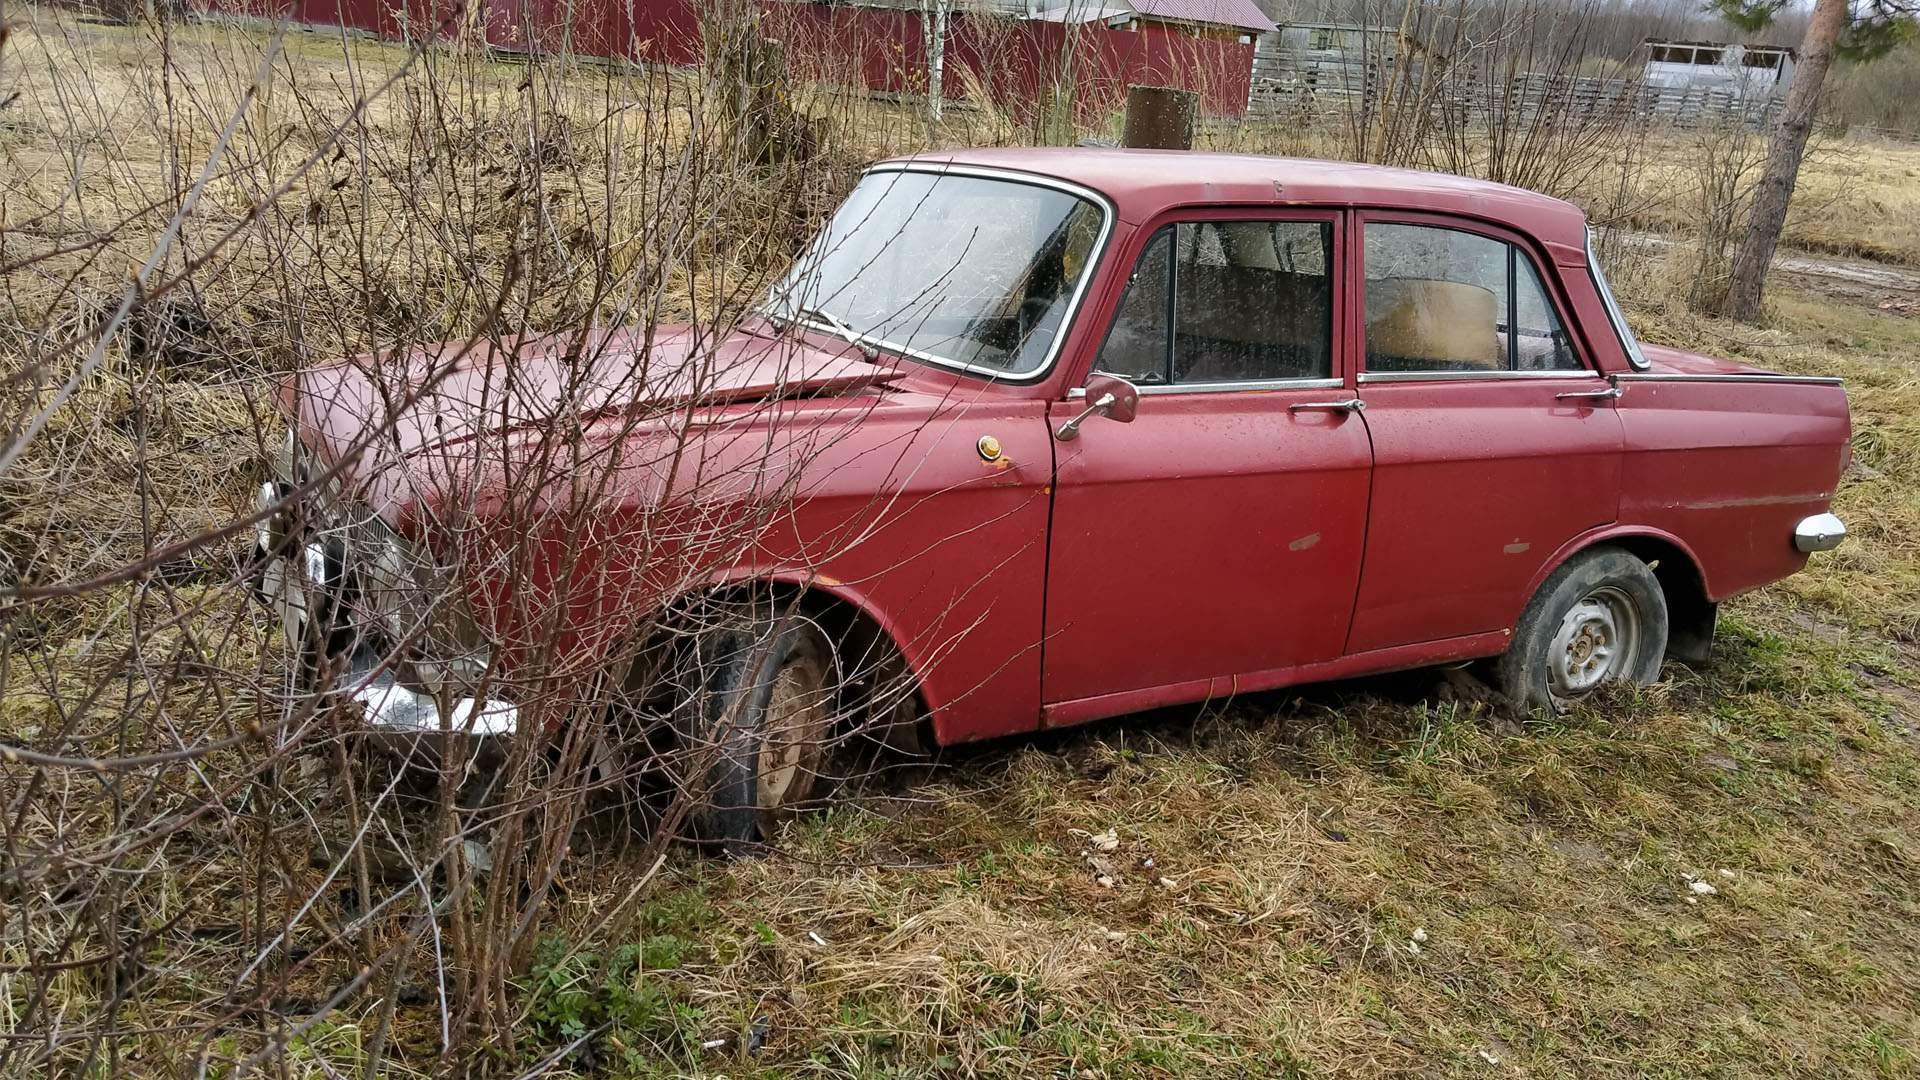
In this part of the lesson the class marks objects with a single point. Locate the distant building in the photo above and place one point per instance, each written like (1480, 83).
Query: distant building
(1718, 65)
(1233, 19)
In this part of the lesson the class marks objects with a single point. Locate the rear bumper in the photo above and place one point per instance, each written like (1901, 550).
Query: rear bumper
(1821, 532)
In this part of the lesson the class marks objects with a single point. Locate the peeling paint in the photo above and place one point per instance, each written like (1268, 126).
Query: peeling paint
(1516, 548)
(1304, 542)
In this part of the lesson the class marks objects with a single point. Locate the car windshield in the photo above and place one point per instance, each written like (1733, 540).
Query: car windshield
(967, 271)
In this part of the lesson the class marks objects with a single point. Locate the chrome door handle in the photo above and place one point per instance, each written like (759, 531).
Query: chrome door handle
(1349, 405)
(1608, 394)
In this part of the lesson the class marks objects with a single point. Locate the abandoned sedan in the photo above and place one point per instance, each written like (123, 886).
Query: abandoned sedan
(1048, 436)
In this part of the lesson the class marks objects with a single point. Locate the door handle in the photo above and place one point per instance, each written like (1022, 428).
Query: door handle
(1608, 394)
(1351, 405)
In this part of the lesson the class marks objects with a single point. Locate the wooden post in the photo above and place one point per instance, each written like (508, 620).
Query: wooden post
(1159, 118)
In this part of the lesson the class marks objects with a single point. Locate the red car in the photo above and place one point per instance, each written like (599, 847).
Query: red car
(1072, 433)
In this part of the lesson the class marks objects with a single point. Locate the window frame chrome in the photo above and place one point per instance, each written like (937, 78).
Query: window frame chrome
(1095, 258)
(1517, 248)
(1243, 386)
(1628, 343)
(1170, 223)
(1473, 375)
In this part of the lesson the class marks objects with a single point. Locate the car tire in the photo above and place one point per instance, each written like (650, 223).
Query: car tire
(1599, 618)
(754, 727)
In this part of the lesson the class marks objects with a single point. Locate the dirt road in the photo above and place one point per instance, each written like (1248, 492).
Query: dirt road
(1892, 288)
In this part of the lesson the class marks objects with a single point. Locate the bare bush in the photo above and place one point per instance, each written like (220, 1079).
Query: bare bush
(208, 862)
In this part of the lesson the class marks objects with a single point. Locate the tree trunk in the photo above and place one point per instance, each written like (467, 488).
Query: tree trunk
(1789, 144)
(936, 30)
(1159, 118)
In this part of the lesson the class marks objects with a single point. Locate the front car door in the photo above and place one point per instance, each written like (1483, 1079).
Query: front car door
(1495, 442)
(1214, 542)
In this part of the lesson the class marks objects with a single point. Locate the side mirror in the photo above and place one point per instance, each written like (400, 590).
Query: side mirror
(1109, 395)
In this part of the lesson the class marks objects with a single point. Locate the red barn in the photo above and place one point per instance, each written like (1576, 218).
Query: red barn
(1016, 51)
(1092, 51)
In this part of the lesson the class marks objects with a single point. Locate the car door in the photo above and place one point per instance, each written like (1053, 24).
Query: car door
(1494, 438)
(1214, 540)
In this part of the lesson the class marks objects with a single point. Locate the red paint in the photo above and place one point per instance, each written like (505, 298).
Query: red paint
(1219, 543)
(652, 32)
(1016, 62)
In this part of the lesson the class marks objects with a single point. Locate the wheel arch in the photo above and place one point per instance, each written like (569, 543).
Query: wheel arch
(1691, 611)
(886, 694)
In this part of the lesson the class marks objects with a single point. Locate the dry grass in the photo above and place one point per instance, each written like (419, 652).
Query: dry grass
(1360, 880)
(1309, 844)
(1856, 198)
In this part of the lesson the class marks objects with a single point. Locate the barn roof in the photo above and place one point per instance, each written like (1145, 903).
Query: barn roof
(1244, 14)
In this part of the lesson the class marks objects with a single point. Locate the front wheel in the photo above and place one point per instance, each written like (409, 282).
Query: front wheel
(754, 726)
(1599, 618)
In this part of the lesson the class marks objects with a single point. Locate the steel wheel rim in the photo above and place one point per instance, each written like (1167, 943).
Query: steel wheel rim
(1596, 642)
(791, 731)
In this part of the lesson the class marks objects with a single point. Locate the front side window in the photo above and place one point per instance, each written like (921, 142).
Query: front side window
(1227, 302)
(968, 271)
(1442, 300)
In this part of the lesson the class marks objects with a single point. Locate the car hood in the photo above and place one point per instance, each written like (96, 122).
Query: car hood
(382, 408)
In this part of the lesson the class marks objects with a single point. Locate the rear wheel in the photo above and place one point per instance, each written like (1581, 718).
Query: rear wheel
(1599, 618)
(754, 724)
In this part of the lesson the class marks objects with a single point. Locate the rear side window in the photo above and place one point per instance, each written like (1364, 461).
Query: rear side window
(1442, 300)
(1227, 302)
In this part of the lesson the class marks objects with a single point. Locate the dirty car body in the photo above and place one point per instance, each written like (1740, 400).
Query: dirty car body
(1373, 420)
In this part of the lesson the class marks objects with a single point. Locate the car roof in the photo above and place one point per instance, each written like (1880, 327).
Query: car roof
(1141, 183)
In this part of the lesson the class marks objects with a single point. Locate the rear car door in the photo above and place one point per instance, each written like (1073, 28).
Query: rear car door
(1217, 536)
(1495, 442)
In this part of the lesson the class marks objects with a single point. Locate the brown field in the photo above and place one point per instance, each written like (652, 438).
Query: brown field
(1375, 878)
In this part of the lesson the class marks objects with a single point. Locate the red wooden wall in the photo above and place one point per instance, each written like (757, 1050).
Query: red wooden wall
(1014, 60)
(883, 48)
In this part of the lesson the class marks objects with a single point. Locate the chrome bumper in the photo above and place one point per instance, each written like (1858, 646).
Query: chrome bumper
(1821, 532)
(391, 707)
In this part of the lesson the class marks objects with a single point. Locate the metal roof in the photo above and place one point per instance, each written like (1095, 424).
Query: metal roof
(1244, 14)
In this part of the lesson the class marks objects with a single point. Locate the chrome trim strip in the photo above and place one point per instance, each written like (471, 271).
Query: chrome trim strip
(1628, 343)
(1109, 215)
(1749, 377)
(1583, 375)
(1250, 385)
(1821, 532)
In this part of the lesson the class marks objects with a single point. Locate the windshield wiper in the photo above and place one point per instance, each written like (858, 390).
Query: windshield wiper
(838, 325)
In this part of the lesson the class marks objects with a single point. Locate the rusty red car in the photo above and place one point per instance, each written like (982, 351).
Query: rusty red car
(1092, 431)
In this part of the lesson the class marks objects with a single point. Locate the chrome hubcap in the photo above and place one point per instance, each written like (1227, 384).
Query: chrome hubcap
(1596, 642)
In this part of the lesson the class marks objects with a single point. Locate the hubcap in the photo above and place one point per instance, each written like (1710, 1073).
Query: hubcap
(795, 725)
(1597, 641)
